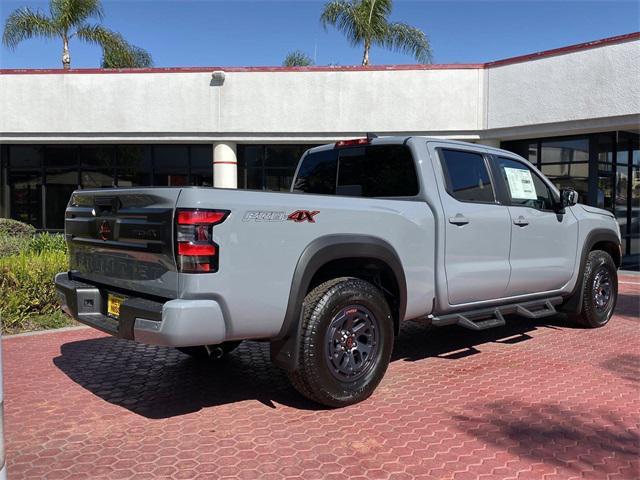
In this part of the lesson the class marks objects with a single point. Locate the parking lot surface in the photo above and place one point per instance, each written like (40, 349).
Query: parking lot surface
(531, 400)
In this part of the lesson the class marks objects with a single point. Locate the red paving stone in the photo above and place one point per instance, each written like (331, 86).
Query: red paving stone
(531, 400)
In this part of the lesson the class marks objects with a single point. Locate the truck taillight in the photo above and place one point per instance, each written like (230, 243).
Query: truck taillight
(196, 251)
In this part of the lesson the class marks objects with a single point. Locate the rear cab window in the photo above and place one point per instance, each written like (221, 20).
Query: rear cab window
(467, 176)
(363, 171)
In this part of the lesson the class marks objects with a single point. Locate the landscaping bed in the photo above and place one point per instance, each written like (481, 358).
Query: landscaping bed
(28, 263)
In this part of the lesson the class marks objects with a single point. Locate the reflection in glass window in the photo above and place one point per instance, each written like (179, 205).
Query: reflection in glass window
(578, 170)
(467, 176)
(580, 185)
(268, 167)
(25, 156)
(25, 191)
(134, 165)
(525, 148)
(170, 165)
(202, 166)
(605, 192)
(278, 179)
(565, 151)
(97, 166)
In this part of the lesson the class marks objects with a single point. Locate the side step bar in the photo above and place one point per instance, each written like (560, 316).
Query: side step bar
(492, 317)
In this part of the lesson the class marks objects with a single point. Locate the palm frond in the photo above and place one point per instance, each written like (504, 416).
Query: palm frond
(373, 15)
(344, 15)
(72, 13)
(407, 39)
(25, 23)
(118, 53)
(99, 35)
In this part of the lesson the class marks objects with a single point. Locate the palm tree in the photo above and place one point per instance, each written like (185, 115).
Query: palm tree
(297, 58)
(67, 19)
(365, 22)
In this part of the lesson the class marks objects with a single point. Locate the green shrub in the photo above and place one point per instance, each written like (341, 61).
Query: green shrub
(26, 287)
(14, 236)
(47, 242)
(15, 228)
(13, 244)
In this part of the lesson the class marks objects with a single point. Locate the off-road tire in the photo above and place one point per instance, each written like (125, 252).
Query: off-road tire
(201, 353)
(313, 376)
(591, 316)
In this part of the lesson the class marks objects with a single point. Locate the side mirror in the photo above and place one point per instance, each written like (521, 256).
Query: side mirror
(568, 197)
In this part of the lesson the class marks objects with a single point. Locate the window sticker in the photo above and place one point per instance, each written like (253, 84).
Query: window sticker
(520, 183)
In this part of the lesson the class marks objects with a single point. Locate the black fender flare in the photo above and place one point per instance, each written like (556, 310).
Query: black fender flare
(285, 346)
(573, 303)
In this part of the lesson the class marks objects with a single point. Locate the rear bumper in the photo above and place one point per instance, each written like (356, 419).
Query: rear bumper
(176, 323)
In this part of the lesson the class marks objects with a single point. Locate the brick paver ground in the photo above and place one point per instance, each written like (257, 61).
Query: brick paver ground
(531, 400)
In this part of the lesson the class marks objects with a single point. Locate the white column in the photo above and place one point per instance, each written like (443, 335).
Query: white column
(225, 165)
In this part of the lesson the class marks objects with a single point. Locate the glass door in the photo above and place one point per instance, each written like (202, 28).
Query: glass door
(627, 197)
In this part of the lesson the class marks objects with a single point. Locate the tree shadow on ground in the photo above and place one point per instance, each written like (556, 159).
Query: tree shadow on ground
(628, 305)
(626, 366)
(160, 382)
(570, 439)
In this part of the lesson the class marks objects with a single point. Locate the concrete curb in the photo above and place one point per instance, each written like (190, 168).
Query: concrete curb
(43, 332)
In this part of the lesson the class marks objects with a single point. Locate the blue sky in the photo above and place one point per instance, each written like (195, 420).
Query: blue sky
(244, 33)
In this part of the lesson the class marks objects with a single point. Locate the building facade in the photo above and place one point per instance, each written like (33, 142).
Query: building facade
(573, 111)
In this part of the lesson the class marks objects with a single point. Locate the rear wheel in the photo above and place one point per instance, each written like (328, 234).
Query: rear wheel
(346, 344)
(600, 290)
(210, 352)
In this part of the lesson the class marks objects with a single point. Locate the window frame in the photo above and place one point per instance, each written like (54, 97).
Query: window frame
(447, 177)
(506, 193)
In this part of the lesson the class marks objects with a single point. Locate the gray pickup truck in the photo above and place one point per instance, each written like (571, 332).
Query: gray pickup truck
(375, 231)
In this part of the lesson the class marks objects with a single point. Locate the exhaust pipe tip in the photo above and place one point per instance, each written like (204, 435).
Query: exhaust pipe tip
(216, 352)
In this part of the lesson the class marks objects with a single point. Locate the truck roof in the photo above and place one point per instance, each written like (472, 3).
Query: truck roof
(399, 139)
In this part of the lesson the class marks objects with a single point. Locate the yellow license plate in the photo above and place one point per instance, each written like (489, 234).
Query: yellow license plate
(113, 305)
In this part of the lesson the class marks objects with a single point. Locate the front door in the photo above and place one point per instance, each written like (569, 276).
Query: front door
(543, 241)
(477, 228)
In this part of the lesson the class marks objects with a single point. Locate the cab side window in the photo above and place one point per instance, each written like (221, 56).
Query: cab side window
(524, 186)
(467, 176)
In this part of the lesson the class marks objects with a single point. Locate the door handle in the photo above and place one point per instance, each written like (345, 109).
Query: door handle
(459, 219)
(521, 221)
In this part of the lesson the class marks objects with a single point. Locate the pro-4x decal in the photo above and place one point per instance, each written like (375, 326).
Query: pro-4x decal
(303, 216)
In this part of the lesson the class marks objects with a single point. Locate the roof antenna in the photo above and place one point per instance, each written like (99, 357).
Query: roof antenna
(371, 136)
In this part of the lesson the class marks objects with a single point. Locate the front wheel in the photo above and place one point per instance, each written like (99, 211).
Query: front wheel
(346, 344)
(600, 290)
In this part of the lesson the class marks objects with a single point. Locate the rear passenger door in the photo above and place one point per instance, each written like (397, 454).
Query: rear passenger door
(544, 240)
(477, 228)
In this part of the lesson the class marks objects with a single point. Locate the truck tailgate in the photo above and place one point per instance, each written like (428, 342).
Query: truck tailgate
(123, 238)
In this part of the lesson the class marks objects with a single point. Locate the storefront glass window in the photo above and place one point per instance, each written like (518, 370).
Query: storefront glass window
(268, 167)
(134, 165)
(565, 151)
(201, 166)
(97, 166)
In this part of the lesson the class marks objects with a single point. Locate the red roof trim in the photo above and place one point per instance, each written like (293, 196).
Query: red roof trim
(349, 68)
(354, 68)
(563, 50)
